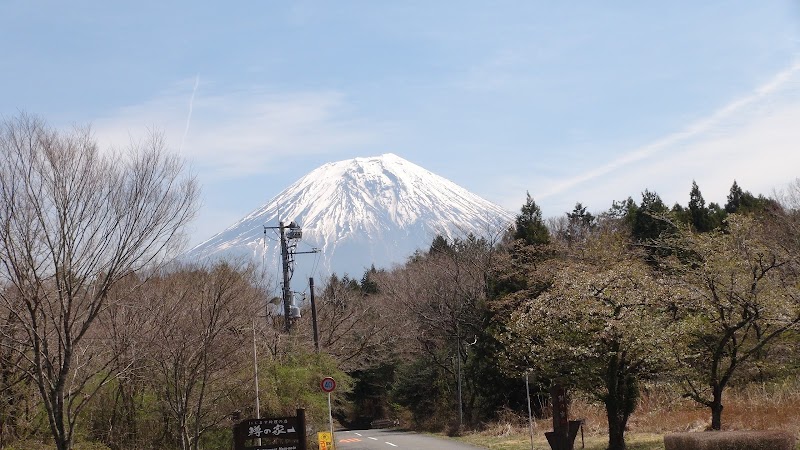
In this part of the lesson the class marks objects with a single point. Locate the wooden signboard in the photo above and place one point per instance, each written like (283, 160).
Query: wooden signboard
(271, 433)
(560, 415)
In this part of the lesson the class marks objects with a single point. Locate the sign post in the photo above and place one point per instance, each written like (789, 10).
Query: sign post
(559, 402)
(328, 384)
(325, 440)
(285, 433)
(564, 430)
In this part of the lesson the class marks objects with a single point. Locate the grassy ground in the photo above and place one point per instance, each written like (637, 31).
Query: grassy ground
(660, 411)
(516, 441)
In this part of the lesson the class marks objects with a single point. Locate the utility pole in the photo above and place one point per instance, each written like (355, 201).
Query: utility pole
(314, 314)
(287, 290)
(289, 235)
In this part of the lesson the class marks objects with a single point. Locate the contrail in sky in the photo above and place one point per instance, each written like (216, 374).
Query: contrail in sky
(693, 130)
(189, 117)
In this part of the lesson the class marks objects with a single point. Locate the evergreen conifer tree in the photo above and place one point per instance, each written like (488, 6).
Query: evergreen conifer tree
(648, 219)
(529, 224)
(368, 284)
(700, 215)
(440, 245)
(579, 222)
(579, 216)
(734, 198)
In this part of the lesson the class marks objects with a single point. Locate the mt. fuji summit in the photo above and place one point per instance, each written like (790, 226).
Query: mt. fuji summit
(358, 213)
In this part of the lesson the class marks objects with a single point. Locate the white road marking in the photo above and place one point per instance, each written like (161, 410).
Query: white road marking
(393, 445)
(357, 434)
(373, 438)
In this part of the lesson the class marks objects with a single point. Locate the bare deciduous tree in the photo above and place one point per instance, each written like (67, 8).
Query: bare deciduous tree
(125, 326)
(73, 222)
(14, 384)
(440, 298)
(789, 197)
(202, 344)
(356, 328)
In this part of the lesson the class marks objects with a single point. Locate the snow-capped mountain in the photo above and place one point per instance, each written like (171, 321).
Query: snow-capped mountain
(359, 212)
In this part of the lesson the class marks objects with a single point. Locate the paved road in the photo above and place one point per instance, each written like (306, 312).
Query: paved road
(386, 439)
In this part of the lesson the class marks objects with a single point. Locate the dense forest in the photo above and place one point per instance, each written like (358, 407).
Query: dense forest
(105, 344)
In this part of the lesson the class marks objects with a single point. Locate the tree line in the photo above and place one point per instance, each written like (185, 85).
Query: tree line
(105, 343)
(706, 296)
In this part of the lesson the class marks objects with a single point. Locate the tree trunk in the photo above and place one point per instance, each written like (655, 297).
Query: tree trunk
(716, 409)
(129, 410)
(620, 400)
(616, 424)
(56, 413)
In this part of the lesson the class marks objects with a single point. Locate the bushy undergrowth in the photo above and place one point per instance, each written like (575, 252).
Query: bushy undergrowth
(661, 410)
(763, 406)
(731, 440)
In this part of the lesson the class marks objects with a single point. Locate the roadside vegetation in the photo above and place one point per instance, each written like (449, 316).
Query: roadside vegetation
(654, 318)
(770, 406)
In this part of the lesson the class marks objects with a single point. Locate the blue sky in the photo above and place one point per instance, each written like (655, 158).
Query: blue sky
(570, 101)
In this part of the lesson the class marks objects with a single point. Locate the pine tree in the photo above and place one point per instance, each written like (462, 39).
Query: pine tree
(700, 215)
(734, 198)
(579, 223)
(580, 217)
(440, 245)
(648, 219)
(529, 224)
(717, 215)
(368, 283)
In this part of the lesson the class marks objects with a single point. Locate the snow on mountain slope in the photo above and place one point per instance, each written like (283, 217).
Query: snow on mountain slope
(359, 212)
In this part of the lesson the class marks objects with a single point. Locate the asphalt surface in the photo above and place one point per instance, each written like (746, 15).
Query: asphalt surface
(388, 439)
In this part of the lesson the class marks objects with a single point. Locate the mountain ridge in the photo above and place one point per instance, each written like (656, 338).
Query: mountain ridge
(360, 212)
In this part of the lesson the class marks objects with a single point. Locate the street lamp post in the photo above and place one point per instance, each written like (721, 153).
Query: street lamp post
(255, 370)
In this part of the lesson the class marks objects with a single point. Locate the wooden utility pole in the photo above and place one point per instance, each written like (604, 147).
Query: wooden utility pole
(289, 235)
(314, 314)
(287, 290)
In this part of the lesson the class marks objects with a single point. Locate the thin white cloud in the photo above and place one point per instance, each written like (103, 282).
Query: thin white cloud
(228, 136)
(240, 133)
(189, 116)
(753, 136)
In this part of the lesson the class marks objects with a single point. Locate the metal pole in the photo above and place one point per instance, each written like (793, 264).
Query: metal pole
(255, 374)
(314, 315)
(530, 416)
(255, 370)
(330, 419)
(458, 364)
